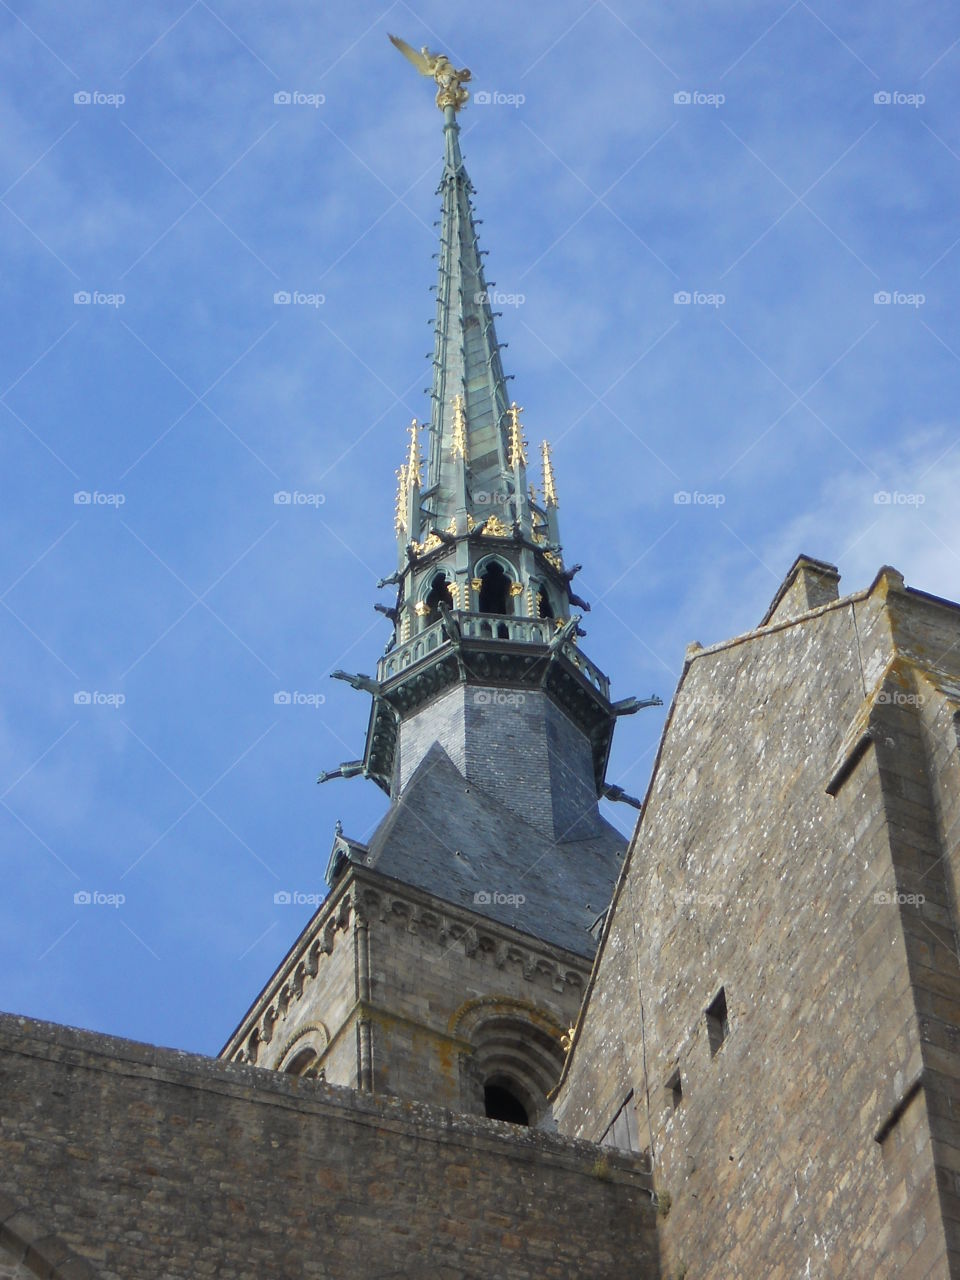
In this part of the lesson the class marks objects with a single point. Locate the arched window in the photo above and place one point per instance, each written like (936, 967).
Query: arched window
(438, 595)
(516, 1058)
(301, 1056)
(305, 1065)
(494, 586)
(501, 1103)
(544, 607)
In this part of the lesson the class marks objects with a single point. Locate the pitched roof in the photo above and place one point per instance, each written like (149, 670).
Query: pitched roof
(448, 837)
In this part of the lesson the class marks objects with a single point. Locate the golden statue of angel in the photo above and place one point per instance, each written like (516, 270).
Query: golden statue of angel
(450, 81)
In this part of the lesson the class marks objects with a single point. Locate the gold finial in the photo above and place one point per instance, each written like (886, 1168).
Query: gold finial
(518, 446)
(450, 81)
(413, 458)
(549, 483)
(459, 446)
(400, 517)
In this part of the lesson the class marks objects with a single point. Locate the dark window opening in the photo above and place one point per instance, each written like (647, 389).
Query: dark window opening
(674, 1090)
(718, 1024)
(439, 594)
(503, 631)
(305, 1065)
(543, 605)
(493, 590)
(500, 1104)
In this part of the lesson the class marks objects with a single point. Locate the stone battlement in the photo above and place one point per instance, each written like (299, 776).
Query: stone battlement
(123, 1159)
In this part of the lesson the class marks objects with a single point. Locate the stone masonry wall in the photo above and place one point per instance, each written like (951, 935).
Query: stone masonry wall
(425, 963)
(288, 1013)
(119, 1160)
(451, 995)
(818, 1139)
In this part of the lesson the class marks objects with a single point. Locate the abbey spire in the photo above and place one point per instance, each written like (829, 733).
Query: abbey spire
(454, 946)
(476, 452)
(468, 379)
(484, 598)
(476, 486)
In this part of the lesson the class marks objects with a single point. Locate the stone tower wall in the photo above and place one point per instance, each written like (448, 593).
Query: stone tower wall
(430, 980)
(819, 1138)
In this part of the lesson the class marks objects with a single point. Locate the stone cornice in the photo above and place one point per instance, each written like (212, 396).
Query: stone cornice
(365, 895)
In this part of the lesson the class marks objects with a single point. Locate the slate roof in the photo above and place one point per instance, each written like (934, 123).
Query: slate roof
(449, 838)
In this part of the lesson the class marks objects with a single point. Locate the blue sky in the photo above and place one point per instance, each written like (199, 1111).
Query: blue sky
(783, 197)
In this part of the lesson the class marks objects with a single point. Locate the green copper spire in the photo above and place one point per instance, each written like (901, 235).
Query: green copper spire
(466, 362)
(471, 536)
(483, 596)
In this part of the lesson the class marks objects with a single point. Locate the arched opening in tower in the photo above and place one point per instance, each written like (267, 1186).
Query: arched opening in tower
(494, 585)
(304, 1064)
(544, 608)
(500, 1104)
(439, 595)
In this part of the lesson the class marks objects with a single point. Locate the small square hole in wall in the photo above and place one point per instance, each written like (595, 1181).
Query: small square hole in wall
(718, 1024)
(674, 1090)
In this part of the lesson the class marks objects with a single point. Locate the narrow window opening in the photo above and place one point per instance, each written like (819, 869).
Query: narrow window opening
(718, 1024)
(503, 632)
(674, 1090)
(500, 1104)
(543, 605)
(439, 594)
(493, 589)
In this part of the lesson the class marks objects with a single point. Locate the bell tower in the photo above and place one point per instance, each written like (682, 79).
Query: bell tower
(452, 951)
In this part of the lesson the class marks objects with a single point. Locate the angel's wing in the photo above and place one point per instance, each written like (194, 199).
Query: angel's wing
(423, 65)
